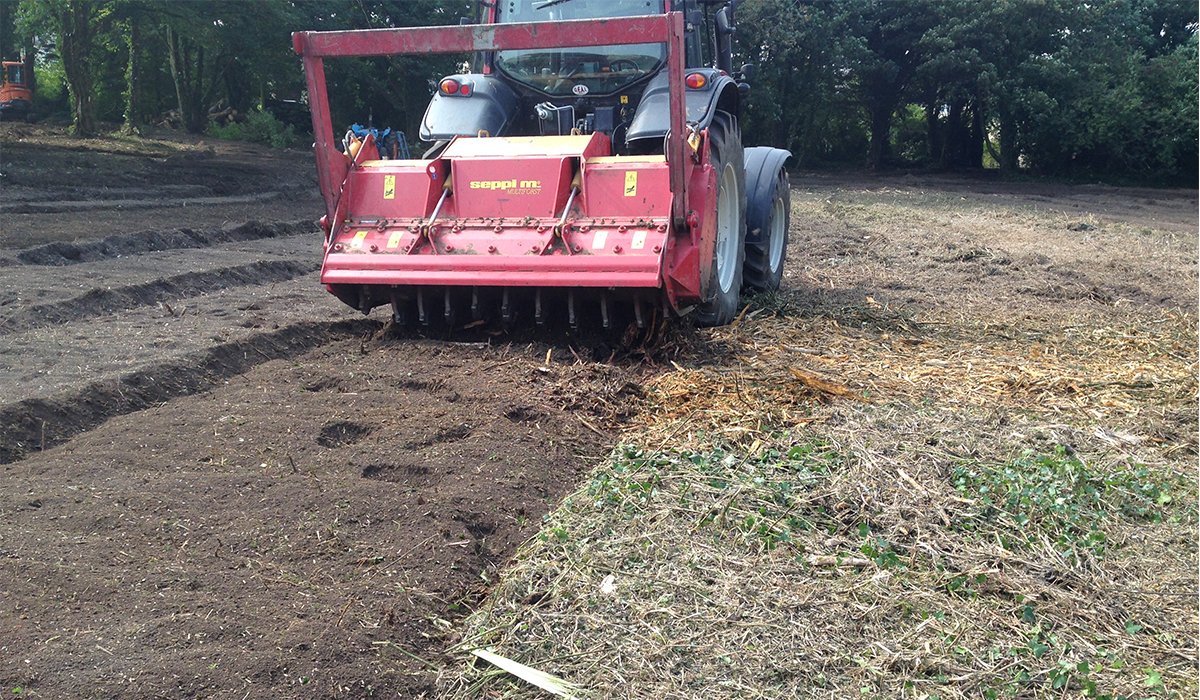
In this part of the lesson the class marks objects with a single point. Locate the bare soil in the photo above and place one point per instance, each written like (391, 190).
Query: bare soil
(218, 481)
(50, 178)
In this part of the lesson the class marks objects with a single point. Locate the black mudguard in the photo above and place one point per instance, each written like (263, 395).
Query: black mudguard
(653, 117)
(762, 171)
(490, 108)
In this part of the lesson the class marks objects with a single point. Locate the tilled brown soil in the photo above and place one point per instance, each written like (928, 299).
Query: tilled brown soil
(218, 481)
(306, 529)
(57, 188)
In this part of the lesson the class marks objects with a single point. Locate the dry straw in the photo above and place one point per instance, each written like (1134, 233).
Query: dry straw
(842, 501)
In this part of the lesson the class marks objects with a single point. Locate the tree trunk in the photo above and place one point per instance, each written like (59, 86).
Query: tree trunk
(952, 137)
(176, 67)
(975, 144)
(196, 119)
(28, 52)
(1009, 155)
(933, 128)
(881, 132)
(76, 46)
(132, 78)
(8, 36)
(187, 86)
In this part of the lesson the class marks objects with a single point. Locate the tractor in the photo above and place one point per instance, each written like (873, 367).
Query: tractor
(591, 160)
(15, 96)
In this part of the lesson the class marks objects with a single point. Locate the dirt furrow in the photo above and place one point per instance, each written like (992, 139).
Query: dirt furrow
(99, 301)
(87, 205)
(37, 423)
(123, 245)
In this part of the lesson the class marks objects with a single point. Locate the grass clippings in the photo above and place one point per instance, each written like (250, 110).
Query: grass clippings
(857, 501)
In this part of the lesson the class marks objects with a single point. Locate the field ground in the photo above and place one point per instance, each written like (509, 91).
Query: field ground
(219, 482)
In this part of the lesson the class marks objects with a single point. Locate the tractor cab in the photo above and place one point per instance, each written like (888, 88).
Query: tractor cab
(620, 90)
(15, 96)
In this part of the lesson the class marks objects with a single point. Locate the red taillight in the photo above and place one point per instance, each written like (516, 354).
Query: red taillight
(450, 86)
(695, 81)
(465, 90)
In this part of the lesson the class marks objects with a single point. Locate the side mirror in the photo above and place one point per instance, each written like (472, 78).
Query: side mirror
(743, 90)
(749, 71)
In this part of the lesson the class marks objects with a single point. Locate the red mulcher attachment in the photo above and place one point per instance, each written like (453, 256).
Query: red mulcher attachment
(495, 218)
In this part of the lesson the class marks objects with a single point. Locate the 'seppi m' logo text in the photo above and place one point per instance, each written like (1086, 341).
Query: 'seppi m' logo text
(509, 186)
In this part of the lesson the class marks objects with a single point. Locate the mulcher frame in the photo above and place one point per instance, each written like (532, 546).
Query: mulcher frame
(457, 220)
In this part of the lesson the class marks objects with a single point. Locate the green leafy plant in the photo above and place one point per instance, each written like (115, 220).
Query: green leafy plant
(259, 127)
(1060, 496)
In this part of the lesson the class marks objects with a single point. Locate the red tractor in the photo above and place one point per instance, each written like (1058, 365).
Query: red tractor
(15, 96)
(591, 157)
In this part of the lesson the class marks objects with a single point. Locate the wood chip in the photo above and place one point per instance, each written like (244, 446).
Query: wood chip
(820, 384)
(838, 561)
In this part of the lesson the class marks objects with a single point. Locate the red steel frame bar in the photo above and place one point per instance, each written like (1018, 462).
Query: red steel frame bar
(315, 46)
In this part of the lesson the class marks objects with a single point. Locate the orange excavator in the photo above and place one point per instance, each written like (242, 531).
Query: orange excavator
(15, 96)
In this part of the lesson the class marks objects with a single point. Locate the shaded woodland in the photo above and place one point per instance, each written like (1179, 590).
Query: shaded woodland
(1101, 90)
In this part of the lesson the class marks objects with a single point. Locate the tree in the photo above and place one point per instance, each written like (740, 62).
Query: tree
(795, 102)
(888, 52)
(73, 24)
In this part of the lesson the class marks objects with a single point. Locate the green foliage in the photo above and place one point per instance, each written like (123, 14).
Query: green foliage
(1080, 90)
(756, 498)
(1077, 90)
(259, 127)
(1059, 496)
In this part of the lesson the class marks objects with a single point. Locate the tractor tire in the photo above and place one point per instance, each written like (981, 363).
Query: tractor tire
(729, 250)
(765, 255)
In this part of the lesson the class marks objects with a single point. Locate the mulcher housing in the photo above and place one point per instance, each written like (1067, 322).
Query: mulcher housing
(620, 202)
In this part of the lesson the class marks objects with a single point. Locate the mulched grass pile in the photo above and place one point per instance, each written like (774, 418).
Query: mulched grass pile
(853, 501)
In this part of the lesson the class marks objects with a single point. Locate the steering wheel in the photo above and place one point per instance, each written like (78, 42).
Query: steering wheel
(617, 64)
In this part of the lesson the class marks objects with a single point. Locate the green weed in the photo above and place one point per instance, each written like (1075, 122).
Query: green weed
(259, 127)
(1059, 496)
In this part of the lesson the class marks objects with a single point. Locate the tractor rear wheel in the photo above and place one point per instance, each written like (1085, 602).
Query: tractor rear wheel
(764, 256)
(725, 280)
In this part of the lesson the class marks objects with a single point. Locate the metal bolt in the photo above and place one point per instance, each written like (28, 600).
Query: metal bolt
(337, 246)
(616, 249)
(498, 228)
(576, 248)
(662, 227)
(374, 249)
(622, 229)
(535, 248)
(449, 248)
(657, 249)
(491, 249)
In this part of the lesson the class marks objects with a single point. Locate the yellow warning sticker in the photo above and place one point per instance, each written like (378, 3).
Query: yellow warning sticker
(600, 239)
(389, 186)
(639, 240)
(394, 240)
(624, 99)
(631, 183)
(359, 237)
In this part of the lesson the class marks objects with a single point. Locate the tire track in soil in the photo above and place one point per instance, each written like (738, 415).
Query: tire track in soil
(97, 301)
(38, 423)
